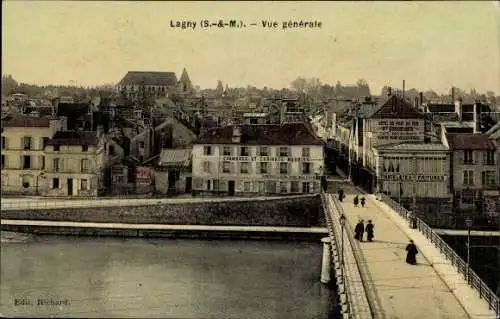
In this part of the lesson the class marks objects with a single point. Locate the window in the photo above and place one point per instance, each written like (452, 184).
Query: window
(45, 141)
(295, 187)
(215, 184)
(283, 151)
(305, 152)
(226, 167)
(244, 151)
(26, 162)
(207, 150)
(85, 148)
(246, 186)
(3, 161)
(244, 168)
(468, 157)
(27, 143)
(264, 167)
(488, 178)
(283, 187)
(305, 187)
(55, 164)
(283, 168)
(84, 185)
(56, 148)
(84, 165)
(43, 162)
(490, 158)
(207, 168)
(468, 177)
(141, 144)
(55, 183)
(4, 142)
(208, 184)
(264, 151)
(227, 151)
(111, 150)
(306, 168)
(120, 179)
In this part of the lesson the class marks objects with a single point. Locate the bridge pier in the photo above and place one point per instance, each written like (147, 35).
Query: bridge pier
(326, 261)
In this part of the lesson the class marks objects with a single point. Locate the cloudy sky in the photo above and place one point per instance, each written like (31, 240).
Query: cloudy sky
(430, 45)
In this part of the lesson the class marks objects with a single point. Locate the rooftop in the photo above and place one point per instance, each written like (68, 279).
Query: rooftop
(405, 146)
(74, 138)
(25, 121)
(149, 78)
(175, 157)
(262, 134)
(467, 141)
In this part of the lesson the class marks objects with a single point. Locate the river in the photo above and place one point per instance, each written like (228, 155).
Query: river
(160, 278)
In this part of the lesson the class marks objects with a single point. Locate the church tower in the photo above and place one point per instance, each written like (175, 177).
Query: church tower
(184, 82)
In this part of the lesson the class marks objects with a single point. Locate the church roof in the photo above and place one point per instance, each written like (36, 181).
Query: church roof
(149, 78)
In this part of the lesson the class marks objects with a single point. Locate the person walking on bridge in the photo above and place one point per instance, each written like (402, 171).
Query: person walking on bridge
(356, 201)
(369, 230)
(411, 255)
(363, 201)
(341, 194)
(359, 230)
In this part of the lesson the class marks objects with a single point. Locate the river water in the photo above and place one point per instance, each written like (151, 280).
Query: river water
(161, 278)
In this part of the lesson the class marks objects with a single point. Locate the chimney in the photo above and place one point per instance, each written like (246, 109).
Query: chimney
(421, 95)
(403, 89)
(452, 94)
(389, 91)
(236, 134)
(476, 117)
(459, 109)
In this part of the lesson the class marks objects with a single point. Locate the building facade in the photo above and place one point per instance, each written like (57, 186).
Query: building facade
(475, 170)
(157, 84)
(75, 164)
(417, 176)
(23, 158)
(258, 160)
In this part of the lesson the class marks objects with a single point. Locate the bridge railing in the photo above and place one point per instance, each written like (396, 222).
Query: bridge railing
(470, 275)
(357, 300)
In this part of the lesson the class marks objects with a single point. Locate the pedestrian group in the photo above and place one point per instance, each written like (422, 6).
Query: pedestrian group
(361, 228)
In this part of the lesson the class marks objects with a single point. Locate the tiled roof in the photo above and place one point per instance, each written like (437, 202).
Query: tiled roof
(267, 134)
(395, 107)
(465, 141)
(74, 138)
(175, 157)
(149, 78)
(441, 108)
(25, 121)
(72, 110)
(405, 146)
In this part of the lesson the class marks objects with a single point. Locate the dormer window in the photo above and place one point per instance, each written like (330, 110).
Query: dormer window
(56, 148)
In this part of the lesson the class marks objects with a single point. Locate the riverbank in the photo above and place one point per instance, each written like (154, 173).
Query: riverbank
(162, 231)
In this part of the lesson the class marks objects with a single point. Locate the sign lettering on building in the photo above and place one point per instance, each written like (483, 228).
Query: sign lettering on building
(399, 130)
(143, 175)
(417, 178)
(261, 159)
(290, 177)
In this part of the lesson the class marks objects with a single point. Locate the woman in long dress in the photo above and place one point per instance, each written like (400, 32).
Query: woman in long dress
(411, 253)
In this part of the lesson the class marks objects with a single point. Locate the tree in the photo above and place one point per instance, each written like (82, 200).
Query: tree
(299, 84)
(8, 84)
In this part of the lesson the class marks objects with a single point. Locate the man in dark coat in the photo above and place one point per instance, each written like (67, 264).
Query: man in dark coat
(363, 200)
(341, 194)
(359, 230)
(411, 253)
(356, 201)
(369, 231)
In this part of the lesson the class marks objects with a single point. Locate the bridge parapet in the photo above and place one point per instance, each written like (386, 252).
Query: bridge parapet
(470, 276)
(355, 303)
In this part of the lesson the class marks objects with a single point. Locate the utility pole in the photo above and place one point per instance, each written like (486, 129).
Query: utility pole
(468, 223)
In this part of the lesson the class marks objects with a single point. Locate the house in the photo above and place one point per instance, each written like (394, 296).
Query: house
(172, 173)
(257, 160)
(156, 84)
(23, 159)
(171, 133)
(475, 169)
(75, 162)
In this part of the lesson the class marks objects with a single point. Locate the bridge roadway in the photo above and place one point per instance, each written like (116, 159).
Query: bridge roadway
(35, 203)
(431, 289)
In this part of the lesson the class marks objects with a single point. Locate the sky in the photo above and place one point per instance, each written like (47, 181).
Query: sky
(430, 45)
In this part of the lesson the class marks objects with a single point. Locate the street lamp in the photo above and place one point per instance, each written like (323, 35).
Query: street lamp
(468, 223)
(342, 225)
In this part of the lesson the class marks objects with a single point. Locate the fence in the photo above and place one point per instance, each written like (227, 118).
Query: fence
(357, 299)
(44, 203)
(472, 278)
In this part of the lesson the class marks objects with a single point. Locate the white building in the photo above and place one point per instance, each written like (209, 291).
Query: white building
(258, 159)
(23, 158)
